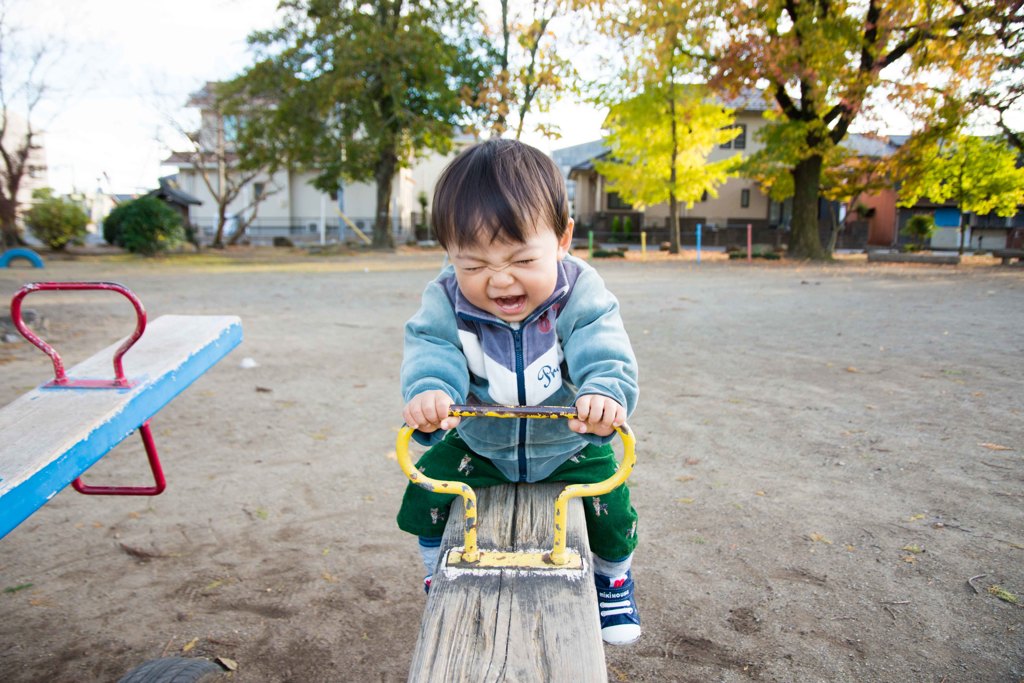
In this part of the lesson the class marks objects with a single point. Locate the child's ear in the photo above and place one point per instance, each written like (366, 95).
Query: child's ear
(565, 241)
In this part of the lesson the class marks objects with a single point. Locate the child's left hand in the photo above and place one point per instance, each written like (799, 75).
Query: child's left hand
(598, 415)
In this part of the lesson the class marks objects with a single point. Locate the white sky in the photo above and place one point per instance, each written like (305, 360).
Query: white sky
(128, 65)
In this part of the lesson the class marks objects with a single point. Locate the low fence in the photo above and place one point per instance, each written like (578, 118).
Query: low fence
(303, 232)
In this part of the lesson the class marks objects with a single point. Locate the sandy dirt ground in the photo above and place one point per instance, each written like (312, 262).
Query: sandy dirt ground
(830, 475)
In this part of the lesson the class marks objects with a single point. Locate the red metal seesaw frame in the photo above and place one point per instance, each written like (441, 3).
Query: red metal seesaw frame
(62, 381)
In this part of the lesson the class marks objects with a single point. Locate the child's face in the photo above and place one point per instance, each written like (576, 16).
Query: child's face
(510, 280)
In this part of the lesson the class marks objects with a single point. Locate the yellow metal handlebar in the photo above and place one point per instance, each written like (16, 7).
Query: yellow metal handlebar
(558, 556)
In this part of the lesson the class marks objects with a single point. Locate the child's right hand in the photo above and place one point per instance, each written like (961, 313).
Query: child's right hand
(428, 412)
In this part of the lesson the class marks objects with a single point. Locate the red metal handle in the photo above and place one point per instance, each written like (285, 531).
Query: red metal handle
(60, 378)
(160, 483)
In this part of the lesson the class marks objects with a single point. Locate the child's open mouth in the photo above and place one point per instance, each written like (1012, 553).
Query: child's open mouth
(511, 305)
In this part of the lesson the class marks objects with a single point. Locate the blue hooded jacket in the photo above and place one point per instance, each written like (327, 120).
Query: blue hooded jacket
(573, 344)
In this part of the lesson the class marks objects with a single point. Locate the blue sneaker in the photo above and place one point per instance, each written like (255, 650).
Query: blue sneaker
(620, 620)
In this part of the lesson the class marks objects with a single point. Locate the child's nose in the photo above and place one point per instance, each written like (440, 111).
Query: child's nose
(501, 278)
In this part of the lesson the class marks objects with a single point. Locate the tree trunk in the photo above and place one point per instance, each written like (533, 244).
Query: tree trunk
(837, 228)
(385, 175)
(673, 212)
(222, 219)
(804, 241)
(673, 203)
(8, 223)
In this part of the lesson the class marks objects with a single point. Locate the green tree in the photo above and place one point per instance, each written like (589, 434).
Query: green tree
(660, 141)
(825, 63)
(981, 176)
(55, 221)
(144, 226)
(353, 91)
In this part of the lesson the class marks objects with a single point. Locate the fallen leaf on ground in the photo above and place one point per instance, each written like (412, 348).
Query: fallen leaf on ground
(189, 645)
(693, 461)
(686, 501)
(229, 664)
(686, 477)
(995, 447)
(913, 549)
(391, 455)
(1003, 594)
(852, 369)
(819, 538)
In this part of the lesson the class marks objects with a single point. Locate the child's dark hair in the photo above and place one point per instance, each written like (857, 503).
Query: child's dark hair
(498, 190)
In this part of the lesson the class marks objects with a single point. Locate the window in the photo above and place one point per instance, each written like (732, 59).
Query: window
(738, 142)
(705, 196)
(745, 199)
(230, 124)
(258, 190)
(615, 202)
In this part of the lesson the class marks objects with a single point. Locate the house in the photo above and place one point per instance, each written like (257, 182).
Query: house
(286, 203)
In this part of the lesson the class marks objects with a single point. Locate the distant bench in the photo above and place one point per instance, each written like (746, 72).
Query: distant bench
(933, 259)
(52, 434)
(1006, 255)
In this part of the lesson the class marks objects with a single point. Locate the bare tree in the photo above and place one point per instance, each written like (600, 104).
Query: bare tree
(213, 158)
(23, 88)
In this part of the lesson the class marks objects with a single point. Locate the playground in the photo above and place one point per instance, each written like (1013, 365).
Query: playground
(830, 474)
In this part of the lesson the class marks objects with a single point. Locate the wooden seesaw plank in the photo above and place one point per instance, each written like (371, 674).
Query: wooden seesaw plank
(512, 624)
(50, 436)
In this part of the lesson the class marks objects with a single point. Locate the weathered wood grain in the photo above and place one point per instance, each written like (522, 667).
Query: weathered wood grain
(512, 625)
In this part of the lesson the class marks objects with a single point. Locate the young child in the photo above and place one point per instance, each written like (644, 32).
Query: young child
(516, 320)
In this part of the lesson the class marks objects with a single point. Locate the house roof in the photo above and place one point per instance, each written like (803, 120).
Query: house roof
(749, 99)
(588, 164)
(568, 158)
(172, 193)
(189, 159)
(871, 146)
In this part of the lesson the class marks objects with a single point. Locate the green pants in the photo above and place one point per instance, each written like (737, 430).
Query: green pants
(611, 519)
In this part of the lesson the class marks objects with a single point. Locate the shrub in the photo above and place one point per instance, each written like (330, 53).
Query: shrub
(616, 225)
(920, 228)
(144, 226)
(54, 221)
(627, 227)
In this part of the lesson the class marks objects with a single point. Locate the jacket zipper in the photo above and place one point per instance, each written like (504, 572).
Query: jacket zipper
(517, 336)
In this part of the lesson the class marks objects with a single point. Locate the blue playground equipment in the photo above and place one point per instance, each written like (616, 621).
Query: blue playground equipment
(22, 253)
